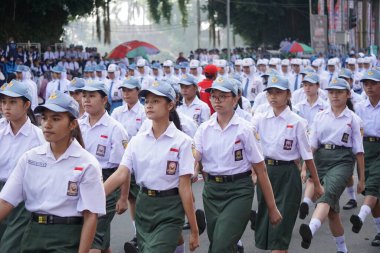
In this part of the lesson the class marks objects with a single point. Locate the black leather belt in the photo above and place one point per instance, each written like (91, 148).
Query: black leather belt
(107, 172)
(332, 147)
(371, 139)
(155, 193)
(52, 219)
(228, 178)
(273, 162)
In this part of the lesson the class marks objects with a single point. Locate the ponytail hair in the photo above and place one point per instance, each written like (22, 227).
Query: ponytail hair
(174, 117)
(289, 103)
(240, 103)
(350, 105)
(76, 133)
(30, 112)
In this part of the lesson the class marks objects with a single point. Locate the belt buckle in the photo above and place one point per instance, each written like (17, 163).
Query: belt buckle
(372, 139)
(218, 179)
(42, 219)
(270, 162)
(151, 193)
(328, 146)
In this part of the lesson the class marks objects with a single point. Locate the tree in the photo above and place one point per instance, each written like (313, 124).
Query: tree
(40, 21)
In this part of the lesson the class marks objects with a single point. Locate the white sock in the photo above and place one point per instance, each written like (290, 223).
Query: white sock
(314, 225)
(308, 201)
(240, 243)
(134, 226)
(364, 211)
(377, 223)
(180, 249)
(341, 244)
(351, 192)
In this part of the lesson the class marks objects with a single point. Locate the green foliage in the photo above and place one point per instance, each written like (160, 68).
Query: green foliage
(163, 8)
(39, 21)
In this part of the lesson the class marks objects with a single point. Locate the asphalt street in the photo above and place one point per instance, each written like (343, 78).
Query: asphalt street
(323, 242)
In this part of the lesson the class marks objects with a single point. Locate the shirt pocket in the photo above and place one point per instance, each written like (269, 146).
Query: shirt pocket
(103, 146)
(73, 183)
(238, 152)
(288, 140)
(346, 134)
(172, 162)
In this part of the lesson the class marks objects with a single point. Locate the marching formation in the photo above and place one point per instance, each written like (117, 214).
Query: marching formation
(138, 136)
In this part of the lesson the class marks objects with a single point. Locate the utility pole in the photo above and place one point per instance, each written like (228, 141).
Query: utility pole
(228, 32)
(199, 23)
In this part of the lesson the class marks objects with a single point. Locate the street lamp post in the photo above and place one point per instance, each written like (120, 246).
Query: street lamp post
(228, 32)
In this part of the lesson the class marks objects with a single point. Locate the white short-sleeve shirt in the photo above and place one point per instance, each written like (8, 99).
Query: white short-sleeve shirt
(283, 137)
(63, 187)
(230, 151)
(14, 146)
(307, 111)
(158, 163)
(197, 110)
(131, 119)
(343, 130)
(106, 140)
(370, 116)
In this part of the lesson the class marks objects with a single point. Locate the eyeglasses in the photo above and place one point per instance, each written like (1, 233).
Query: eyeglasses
(220, 98)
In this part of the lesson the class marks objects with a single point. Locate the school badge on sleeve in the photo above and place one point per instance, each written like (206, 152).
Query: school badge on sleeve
(125, 143)
(171, 167)
(72, 188)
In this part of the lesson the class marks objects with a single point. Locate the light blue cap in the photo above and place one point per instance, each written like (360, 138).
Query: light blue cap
(122, 66)
(238, 84)
(132, 66)
(188, 79)
(278, 82)
(89, 68)
(311, 77)
(100, 67)
(160, 88)
(58, 69)
(183, 64)
(238, 77)
(270, 72)
(338, 84)
(225, 85)
(345, 73)
(307, 70)
(131, 83)
(16, 89)
(22, 68)
(77, 84)
(60, 102)
(95, 86)
(177, 66)
(371, 74)
(156, 65)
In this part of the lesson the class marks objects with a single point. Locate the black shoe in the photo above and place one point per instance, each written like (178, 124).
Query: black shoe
(356, 223)
(306, 235)
(186, 226)
(240, 249)
(129, 247)
(201, 220)
(351, 204)
(134, 241)
(252, 218)
(304, 210)
(376, 241)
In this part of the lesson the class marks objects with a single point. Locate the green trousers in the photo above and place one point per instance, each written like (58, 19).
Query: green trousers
(372, 168)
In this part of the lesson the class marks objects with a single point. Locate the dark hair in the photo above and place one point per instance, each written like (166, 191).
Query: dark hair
(30, 112)
(76, 133)
(289, 102)
(210, 76)
(174, 117)
(350, 105)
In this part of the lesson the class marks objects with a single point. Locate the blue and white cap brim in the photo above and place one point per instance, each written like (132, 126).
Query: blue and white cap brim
(145, 92)
(88, 88)
(337, 87)
(309, 80)
(276, 87)
(51, 107)
(217, 87)
(128, 86)
(11, 94)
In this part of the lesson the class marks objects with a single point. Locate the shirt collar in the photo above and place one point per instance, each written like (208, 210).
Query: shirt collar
(367, 103)
(214, 121)
(24, 130)
(283, 114)
(195, 102)
(170, 131)
(72, 151)
(102, 121)
(345, 112)
(134, 108)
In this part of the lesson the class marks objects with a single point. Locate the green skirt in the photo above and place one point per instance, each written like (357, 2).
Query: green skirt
(133, 188)
(287, 190)
(335, 168)
(3, 224)
(227, 209)
(57, 238)
(102, 238)
(372, 168)
(159, 222)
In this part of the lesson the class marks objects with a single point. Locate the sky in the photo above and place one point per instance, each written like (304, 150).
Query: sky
(130, 20)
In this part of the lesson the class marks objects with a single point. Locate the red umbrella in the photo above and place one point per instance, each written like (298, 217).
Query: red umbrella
(133, 49)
